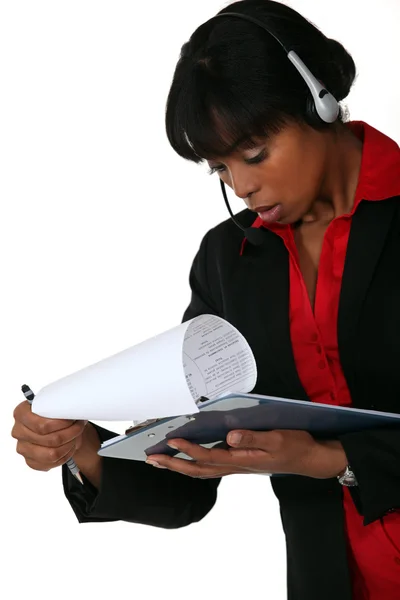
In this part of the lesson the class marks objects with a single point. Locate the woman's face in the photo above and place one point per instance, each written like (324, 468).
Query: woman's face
(284, 173)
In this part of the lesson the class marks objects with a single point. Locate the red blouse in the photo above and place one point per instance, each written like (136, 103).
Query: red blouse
(374, 550)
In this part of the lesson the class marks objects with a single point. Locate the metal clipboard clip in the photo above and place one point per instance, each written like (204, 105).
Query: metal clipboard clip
(148, 422)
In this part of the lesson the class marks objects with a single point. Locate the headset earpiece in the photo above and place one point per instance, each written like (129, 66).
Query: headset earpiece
(323, 105)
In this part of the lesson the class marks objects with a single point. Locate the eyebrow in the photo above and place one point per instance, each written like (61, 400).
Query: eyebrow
(241, 144)
(249, 145)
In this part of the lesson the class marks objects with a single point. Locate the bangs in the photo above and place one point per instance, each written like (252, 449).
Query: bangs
(207, 118)
(233, 83)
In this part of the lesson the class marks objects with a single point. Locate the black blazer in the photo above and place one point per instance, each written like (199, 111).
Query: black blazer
(252, 292)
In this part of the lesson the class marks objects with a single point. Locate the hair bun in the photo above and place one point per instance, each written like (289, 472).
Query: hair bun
(340, 70)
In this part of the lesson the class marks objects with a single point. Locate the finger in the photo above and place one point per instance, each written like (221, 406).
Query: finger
(54, 439)
(38, 466)
(192, 468)
(36, 423)
(78, 441)
(40, 454)
(252, 439)
(251, 458)
(214, 456)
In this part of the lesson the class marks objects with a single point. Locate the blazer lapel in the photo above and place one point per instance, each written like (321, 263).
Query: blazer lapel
(263, 273)
(369, 228)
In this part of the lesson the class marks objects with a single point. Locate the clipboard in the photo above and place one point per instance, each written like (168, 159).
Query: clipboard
(211, 425)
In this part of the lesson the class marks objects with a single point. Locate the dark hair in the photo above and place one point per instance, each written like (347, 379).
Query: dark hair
(233, 81)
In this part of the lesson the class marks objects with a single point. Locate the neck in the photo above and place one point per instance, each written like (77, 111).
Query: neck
(339, 186)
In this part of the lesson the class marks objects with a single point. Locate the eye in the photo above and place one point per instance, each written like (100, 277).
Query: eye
(257, 159)
(218, 169)
(249, 161)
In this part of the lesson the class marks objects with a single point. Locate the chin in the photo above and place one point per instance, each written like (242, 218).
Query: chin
(295, 218)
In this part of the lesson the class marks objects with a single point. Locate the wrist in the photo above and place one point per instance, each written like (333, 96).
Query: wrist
(334, 457)
(342, 472)
(86, 458)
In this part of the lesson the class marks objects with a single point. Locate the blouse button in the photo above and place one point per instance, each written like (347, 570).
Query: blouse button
(314, 337)
(319, 349)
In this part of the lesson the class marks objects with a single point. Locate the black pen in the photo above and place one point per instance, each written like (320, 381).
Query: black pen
(29, 395)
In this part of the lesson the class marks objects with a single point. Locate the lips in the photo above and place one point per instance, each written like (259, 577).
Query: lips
(261, 209)
(270, 214)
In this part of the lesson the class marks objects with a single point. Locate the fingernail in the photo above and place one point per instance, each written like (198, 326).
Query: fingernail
(235, 438)
(172, 445)
(153, 463)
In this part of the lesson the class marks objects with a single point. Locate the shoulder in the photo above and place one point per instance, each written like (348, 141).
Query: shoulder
(220, 247)
(227, 235)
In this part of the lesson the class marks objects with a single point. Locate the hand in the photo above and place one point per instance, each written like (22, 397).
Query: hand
(45, 443)
(278, 451)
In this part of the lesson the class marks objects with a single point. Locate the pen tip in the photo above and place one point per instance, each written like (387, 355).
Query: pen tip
(79, 478)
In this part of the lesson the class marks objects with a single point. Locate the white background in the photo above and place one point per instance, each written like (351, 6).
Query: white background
(100, 221)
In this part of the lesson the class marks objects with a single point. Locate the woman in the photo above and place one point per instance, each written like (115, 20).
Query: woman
(316, 294)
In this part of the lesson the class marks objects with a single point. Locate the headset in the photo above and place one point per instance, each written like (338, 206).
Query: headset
(324, 107)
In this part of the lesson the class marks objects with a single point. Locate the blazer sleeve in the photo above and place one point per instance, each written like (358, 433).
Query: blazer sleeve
(139, 493)
(374, 457)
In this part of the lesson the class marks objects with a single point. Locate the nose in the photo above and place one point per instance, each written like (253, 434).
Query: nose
(243, 182)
